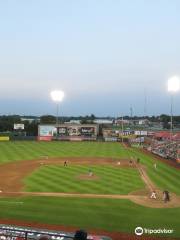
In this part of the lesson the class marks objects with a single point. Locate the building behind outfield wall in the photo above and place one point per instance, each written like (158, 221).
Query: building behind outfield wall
(68, 132)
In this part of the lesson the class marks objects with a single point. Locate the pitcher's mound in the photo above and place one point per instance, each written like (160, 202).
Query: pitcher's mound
(88, 177)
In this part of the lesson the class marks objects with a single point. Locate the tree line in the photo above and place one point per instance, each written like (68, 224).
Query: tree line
(31, 127)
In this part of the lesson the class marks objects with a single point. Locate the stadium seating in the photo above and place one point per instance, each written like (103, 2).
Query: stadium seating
(166, 149)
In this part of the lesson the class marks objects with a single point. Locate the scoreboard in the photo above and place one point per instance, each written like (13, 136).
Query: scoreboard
(68, 132)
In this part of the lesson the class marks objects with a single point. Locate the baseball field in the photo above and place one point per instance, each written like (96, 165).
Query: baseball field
(102, 187)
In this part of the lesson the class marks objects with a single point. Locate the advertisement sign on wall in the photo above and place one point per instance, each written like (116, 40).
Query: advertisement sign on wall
(18, 126)
(4, 138)
(47, 130)
(87, 131)
(68, 132)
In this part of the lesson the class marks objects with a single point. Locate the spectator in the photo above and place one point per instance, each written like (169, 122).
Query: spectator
(80, 235)
(44, 237)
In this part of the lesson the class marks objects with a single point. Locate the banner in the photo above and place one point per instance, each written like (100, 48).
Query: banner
(87, 131)
(62, 131)
(18, 126)
(141, 133)
(47, 130)
(4, 138)
(45, 138)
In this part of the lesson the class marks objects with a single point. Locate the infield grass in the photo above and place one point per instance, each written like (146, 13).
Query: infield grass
(72, 179)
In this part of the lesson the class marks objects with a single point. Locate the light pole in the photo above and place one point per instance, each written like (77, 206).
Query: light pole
(57, 96)
(173, 87)
(122, 128)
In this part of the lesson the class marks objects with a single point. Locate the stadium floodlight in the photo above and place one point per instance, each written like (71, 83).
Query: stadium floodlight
(173, 87)
(173, 84)
(57, 96)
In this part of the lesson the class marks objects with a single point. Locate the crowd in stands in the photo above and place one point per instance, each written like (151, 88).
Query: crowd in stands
(166, 149)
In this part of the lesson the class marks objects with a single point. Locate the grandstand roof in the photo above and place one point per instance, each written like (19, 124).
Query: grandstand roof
(167, 135)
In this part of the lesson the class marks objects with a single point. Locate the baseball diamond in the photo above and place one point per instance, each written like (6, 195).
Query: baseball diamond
(102, 187)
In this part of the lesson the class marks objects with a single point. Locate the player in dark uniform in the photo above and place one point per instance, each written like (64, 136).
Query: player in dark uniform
(166, 196)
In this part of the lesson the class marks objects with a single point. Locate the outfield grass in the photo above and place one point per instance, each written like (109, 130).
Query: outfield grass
(23, 150)
(108, 214)
(111, 180)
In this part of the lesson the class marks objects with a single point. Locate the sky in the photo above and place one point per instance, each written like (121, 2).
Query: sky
(106, 55)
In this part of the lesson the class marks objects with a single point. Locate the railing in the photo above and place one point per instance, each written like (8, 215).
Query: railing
(8, 232)
(18, 233)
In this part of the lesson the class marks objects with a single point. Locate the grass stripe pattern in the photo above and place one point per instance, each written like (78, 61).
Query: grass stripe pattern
(72, 179)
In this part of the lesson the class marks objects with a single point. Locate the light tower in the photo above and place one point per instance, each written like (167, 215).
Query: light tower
(57, 96)
(173, 87)
(122, 128)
